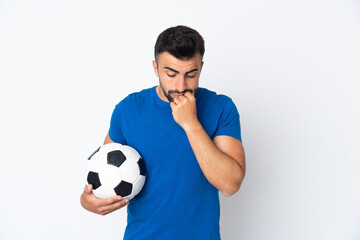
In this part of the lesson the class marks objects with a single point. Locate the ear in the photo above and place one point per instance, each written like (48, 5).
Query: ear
(155, 68)
(202, 63)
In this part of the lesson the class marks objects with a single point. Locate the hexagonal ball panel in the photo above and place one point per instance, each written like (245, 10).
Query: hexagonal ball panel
(104, 192)
(110, 175)
(138, 185)
(115, 158)
(129, 171)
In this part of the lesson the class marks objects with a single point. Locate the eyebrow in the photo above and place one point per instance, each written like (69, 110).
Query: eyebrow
(195, 69)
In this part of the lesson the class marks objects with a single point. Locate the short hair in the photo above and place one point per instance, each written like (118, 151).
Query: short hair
(181, 41)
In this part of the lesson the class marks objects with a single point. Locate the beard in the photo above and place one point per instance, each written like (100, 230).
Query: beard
(168, 93)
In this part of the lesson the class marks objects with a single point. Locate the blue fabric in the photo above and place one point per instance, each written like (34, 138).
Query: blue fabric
(177, 201)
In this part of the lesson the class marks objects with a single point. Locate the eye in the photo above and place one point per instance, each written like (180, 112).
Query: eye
(171, 75)
(191, 76)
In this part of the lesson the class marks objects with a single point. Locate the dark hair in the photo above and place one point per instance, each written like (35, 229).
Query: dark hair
(182, 42)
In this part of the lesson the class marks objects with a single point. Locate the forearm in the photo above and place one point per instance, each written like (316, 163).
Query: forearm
(221, 170)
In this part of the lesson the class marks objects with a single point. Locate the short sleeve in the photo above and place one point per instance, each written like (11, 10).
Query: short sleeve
(115, 130)
(229, 122)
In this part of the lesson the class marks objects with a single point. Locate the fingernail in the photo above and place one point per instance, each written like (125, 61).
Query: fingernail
(126, 200)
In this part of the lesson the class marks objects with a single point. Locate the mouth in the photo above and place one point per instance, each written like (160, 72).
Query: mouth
(175, 95)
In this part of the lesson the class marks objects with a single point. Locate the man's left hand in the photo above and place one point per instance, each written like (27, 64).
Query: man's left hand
(184, 110)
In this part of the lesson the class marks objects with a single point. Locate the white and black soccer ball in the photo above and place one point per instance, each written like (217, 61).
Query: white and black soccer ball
(116, 169)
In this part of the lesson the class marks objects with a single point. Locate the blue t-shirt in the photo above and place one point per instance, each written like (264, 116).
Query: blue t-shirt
(177, 201)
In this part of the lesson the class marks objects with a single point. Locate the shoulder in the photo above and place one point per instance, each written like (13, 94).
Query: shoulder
(139, 97)
(205, 96)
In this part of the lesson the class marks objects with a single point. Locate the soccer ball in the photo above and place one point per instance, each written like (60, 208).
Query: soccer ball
(116, 169)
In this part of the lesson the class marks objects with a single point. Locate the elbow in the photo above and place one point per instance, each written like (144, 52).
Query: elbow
(230, 190)
(233, 187)
(228, 193)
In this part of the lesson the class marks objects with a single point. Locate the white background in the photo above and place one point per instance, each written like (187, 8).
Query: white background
(291, 67)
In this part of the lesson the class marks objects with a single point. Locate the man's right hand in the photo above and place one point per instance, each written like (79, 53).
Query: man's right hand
(101, 206)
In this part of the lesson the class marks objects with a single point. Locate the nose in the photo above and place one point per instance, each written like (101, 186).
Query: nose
(181, 84)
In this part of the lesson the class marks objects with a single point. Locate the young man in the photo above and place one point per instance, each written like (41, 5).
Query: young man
(189, 138)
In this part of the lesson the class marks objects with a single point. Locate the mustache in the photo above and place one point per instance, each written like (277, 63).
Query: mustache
(183, 92)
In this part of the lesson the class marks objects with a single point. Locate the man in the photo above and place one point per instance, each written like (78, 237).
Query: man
(189, 138)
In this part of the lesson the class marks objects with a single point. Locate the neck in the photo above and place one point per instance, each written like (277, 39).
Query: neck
(160, 94)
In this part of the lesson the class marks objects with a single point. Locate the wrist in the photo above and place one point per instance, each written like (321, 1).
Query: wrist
(192, 127)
